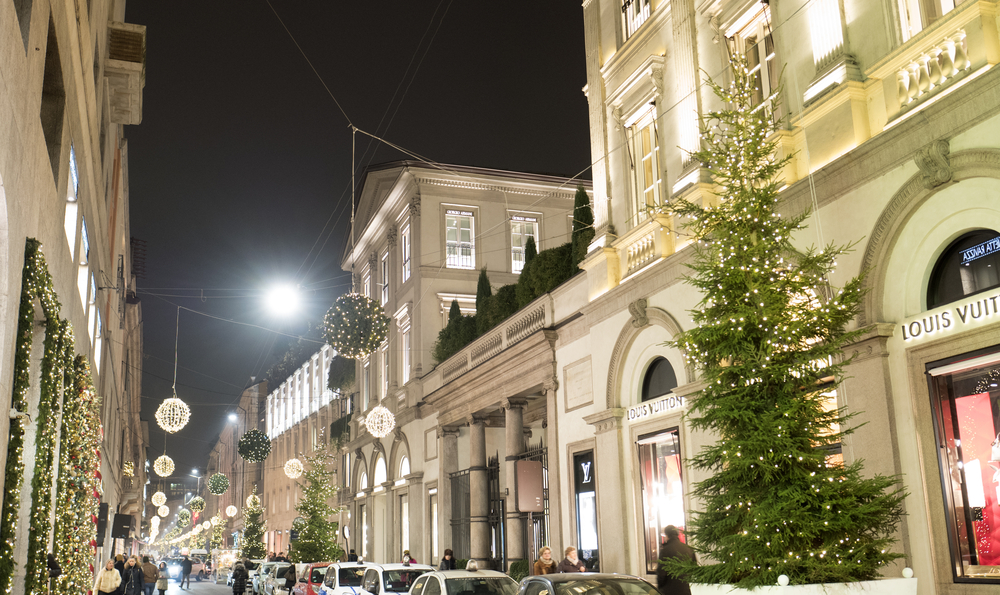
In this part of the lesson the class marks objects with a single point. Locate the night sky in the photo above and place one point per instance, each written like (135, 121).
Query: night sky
(240, 172)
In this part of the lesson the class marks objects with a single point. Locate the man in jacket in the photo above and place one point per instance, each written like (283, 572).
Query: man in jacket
(673, 547)
(149, 576)
(186, 567)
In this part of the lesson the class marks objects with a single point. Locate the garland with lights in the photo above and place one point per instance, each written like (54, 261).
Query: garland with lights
(197, 504)
(252, 544)
(355, 326)
(317, 535)
(183, 518)
(254, 446)
(767, 344)
(218, 484)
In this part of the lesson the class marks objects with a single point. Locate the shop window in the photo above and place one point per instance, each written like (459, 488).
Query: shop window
(404, 519)
(659, 380)
(459, 239)
(363, 513)
(969, 265)
(586, 509)
(662, 489)
(965, 397)
(521, 228)
(434, 525)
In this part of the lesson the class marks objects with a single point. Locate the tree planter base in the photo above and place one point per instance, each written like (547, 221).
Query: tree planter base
(891, 586)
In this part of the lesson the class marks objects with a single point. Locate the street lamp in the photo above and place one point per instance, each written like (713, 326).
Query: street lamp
(283, 300)
(194, 473)
(233, 417)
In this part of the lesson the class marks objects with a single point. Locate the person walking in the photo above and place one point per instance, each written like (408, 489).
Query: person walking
(290, 579)
(107, 580)
(673, 547)
(240, 576)
(352, 557)
(149, 576)
(163, 580)
(545, 563)
(407, 558)
(53, 568)
(571, 563)
(132, 582)
(448, 560)
(186, 567)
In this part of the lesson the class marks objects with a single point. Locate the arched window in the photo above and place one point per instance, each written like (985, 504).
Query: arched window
(659, 380)
(404, 467)
(363, 483)
(380, 476)
(968, 266)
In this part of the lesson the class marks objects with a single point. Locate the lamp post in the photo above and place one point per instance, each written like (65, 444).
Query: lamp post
(195, 473)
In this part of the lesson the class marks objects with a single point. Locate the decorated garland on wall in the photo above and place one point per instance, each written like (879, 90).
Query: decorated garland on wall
(355, 326)
(254, 446)
(197, 504)
(218, 484)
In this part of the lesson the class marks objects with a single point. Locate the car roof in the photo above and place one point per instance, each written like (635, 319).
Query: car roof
(447, 574)
(352, 564)
(563, 577)
(401, 566)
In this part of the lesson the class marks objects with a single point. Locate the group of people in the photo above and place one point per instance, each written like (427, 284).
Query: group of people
(127, 576)
(547, 565)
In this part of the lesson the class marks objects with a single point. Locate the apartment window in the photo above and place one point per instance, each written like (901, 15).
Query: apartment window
(385, 369)
(385, 278)
(645, 155)
(459, 234)
(98, 343)
(756, 42)
(406, 354)
(92, 310)
(365, 385)
(367, 284)
(72, 206)
(84, 270)
(916, 15)
(521, 228)
(634, 14)
(404, 251)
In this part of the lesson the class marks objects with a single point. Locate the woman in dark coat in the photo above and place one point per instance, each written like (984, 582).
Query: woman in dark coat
(673, 547)
(132, 580)
(240, 576)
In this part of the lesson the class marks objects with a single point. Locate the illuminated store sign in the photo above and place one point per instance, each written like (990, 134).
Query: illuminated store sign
(955, 317)
(656, 407)
(988, 247)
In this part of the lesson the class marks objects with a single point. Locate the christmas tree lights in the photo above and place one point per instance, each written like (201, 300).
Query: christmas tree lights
(197, 504)
(355, 326)
(218, 484)
(231, 510)
(254, 446)
(380, 421)
(252, 544)
(317, 535)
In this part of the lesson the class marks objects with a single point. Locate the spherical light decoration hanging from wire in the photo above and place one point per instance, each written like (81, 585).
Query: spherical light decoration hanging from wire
(183, 518)
(197, 504)
(163, 466)
(158, 499)
(206, 525)
(154, 522)
(253, 501)
(163, 511)
(380, 421)
(172, 415)
(293, 468)
(216, 520)
(218, 484)
(231, 510)
(254, 446)
(356, 325)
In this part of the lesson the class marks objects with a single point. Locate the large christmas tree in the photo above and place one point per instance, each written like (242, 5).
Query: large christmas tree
(317, 534)
(252, 544)
(769, 342)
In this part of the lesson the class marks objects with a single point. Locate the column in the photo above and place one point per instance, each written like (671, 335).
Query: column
(612, 490)
(685, 74)
(514, 431)
(415, 498)
(552, 445)
(449, 464)
(479, 503)
(598, 121)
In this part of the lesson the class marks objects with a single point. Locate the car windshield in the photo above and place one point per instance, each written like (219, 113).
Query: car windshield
(280, 571)
(351, 577)
(605, 586)
(494, 585)
(399, 581)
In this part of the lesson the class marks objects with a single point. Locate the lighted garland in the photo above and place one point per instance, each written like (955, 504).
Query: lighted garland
(380, 421)
(197, 504)
(355, 326)
(158, 499)
(163, 466)
(173, 414)
(231, 510)
(254, 446)
(183, 518)
(293, 468)
(218, 484)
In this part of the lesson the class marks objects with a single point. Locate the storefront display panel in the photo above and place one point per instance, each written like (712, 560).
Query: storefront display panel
(662, 489)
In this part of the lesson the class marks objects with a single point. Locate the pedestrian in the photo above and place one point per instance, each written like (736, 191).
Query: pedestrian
(163, 582)
(53, 568)
(186, 567)
(673, 547)
(240, 576)
(571, 563)
(107, 580)
(149, 576)
(407, 558)
(352, 557)
(132, 583)
(448, 561)
(290, 579)
(545, 563)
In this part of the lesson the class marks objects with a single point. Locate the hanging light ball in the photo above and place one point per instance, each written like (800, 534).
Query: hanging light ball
(163, 466)
(218, 484)
(183, 518)
(154, 522)
(158, 499)
(197, 504)
(163, 511)
(380, 421)
(356, 325)
(231, 510)
(206, 525)
(254, 446)
(216, 521)
(293, 468)
(253, 501)
(173, 414)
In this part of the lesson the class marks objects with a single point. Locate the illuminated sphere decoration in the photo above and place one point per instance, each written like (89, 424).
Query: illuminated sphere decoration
(216, 521)
(163, 511)
(172, 415)
(294, 468)
(158, 499)
(183, 518)
(253, 501)
(355, 326)
(218, 484)
(163, 466)
(231, 510)
(197, 504)
(154, 522)
(380, 421)
(206, 525)
(254, 446)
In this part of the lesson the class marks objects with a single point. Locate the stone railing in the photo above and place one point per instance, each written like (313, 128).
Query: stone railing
(932, 68)
(639, 253)
(645, 244)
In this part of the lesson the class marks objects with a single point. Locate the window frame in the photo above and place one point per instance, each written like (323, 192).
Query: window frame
(458, 260)
(635, 13)
(645, 193)
(406, 248)
(517, 223)
(385, 277)
(755, 34)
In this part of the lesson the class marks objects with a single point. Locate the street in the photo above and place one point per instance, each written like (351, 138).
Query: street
(203, 588)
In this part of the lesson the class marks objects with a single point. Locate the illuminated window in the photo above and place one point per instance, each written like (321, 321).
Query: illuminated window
(385, 369)
(969, 265)
(84, 270)
(380, 476)
(459, 239)
(521, 228)
(363, 513)
(434, 526)
(404, 517)
(365, 386)
(404, 250)
(385, 278)
(662, 489)
(757, 44)
(406, 354)
(634, 14)
(644, 147)
(367, 284)
(586, 508)
(72, 206)
(404, 467)
(916, 15)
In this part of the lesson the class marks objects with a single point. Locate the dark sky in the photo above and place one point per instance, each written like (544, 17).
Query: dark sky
(242, 157)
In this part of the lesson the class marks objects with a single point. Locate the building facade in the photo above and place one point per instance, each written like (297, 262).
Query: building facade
(73, 75)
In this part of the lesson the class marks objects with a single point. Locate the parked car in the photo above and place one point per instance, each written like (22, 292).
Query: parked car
(276, 579)
(310, 579)
(253, 568)
(391, 578)
(591, 583)
(198, 570)
(344, 578)
(262, 573)
(465, 582)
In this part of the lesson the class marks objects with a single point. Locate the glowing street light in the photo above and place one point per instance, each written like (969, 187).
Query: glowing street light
(283, 300)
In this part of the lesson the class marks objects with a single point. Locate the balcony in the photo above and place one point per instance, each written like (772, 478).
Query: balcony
(125, 69)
